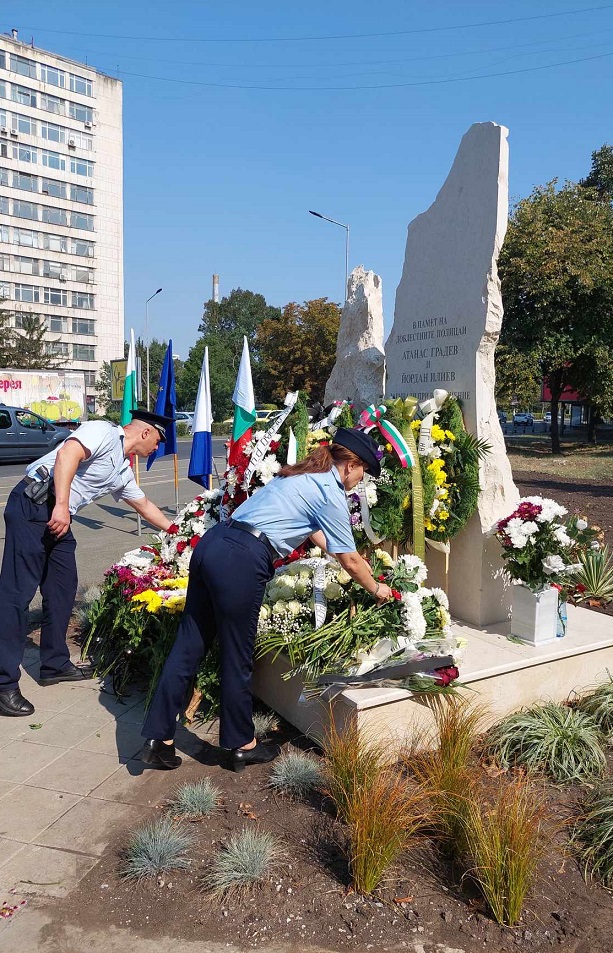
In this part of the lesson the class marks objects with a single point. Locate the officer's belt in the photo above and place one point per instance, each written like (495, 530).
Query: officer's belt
(247, 528)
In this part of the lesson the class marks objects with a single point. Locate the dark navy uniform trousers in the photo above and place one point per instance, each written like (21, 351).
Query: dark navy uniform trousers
(33, 558)
(228, 573)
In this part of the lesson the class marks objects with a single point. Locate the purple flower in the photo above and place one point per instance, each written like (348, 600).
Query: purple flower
(355, 498)
(379, 454)
(354, 519)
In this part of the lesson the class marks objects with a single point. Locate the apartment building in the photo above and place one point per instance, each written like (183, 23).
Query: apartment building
(61, 202)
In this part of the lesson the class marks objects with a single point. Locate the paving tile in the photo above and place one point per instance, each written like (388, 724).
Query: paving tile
(55, 697)
(6, 787)
(90, 826)
(19, 760)
(115, 707)
(8, 849)
(27, 811)
(75, 772)
(13, 728)
(133, 783)
(45, 872)
(136, 713)
(121, 739)
(66, 729)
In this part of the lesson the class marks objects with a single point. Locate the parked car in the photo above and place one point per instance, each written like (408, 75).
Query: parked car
(502, 417)
(26, 436)
(266, 416)
(523, 419)
(185, 417)
(547, 417)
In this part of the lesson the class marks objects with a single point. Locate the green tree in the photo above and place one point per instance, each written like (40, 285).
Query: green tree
(556, 269)
(32, 349)
(223, 368)
(518, 378)
(298, 348)
(6, 336)
(600, 177)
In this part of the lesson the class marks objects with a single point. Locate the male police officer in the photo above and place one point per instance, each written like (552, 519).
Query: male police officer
(39, 549)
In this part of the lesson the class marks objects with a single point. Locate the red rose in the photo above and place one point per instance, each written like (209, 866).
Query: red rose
(381, 578)
(580, 587)
(274, 445)
(397, 595)
(181, 546)
(199, 513)
(173, 528)
(194, 541)
(446, 675)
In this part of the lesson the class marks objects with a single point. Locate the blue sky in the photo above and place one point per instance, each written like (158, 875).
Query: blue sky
(219, 175)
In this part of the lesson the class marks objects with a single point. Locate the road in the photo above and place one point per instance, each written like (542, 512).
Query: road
(105, 530)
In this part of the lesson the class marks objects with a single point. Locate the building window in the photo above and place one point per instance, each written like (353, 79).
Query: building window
(2, 60)
(27, 266)
(83, 352)
(90, 378)
(19, 64)
(25, 209)
(23, 124)
(23, 95)
(82, 113)
(24, 154)
(53, 269)
(4, 205)
(52, 104)
(4, 233)
(25, 181)
(56, 296)
(28, 293)
(49, 130)
(81, 167)
(79, 84)
(53, 160)
(4, 176)
(54, 187)
(55, 216)
(24, 236)
(4, 150)
(58, 325)
(80, 246)
(81, 220)
(83, 274)
(5, 289)
(80, 193)
(57, 348)
(80, 140)
(19, 321)
(82, 299)
(83, 326)
(56, 77)
(3, 90)
(4, 262)
(55, 242)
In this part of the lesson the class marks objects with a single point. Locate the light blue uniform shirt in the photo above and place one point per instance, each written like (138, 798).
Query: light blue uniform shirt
(290, 509)
(106, 470)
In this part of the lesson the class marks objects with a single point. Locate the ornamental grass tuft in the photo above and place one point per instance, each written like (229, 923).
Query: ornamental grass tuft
(296, 773)
(599, 706)
(593, 835)
(194, 801)
(154, 849)
(248, 858)
(352, 761)
(265, 722)
(504, 845)
(561, 742)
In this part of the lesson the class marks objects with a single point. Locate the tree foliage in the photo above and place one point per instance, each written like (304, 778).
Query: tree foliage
(31, 348)
(518, 377)
(556, 269)
(600, 177)
(298, 348)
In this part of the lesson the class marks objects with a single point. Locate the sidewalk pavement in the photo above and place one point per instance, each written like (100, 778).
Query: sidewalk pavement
(71, 780)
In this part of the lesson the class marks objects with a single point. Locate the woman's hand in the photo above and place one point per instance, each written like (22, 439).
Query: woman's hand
(382, 594)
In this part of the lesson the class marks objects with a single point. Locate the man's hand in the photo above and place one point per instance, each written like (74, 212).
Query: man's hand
(150, 512)
(59, 524)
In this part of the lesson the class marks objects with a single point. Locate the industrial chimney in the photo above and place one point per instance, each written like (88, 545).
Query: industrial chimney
(215, 287)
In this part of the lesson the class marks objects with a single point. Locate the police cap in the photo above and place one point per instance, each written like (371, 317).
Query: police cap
(362, 445)
(156, 420)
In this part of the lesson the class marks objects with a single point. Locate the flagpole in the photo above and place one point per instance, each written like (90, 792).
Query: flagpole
(176, 468)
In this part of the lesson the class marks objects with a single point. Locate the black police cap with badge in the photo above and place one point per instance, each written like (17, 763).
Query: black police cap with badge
(362, 445)
(156, 420)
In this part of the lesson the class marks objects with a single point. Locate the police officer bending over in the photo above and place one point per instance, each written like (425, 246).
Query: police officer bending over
(39, 549)
(228, 573)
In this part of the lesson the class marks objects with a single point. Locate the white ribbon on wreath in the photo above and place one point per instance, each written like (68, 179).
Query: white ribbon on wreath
(263, 444)
(429, 408)
(360, 489)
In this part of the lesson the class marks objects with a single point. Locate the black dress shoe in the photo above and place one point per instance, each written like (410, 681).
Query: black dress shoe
(72, 673)
(260, 754)
(12, 703)
(158, 755)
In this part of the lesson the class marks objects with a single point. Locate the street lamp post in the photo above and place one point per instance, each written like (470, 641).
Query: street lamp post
(346, 227)
(147, 336)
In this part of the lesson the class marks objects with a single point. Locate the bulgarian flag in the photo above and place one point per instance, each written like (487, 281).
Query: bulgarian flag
(129, 401)
(244, 409)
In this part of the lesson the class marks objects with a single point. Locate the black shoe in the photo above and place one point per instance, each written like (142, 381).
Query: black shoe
(72, 673)
(12, 703)
(241, 757)
(158, 755)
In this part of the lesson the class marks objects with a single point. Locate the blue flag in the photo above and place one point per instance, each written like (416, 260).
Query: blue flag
(201, 459)
(165, 404)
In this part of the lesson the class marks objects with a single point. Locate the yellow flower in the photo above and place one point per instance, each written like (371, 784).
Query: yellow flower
(437, 464)
(150, 600)
(437, 433)
(442, 515)
(406, 502)
(449, 435)
(175, 604)
(429, 525)
(388, 448)
(179, 583)
(384, 557)
(415, 425)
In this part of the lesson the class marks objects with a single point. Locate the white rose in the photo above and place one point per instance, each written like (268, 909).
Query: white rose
(294, 608)
(343, 577)
(552, 564)
(264, 613)
(333, 591)
(279, 608)
(581, 524)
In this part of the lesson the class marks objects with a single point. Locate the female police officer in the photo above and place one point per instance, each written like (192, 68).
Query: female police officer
(228, 573)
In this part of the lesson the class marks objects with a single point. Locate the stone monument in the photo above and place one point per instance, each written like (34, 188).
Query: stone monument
(359, 372)
(447, 321)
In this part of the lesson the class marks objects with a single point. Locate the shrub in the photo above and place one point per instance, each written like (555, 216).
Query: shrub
(351, 762)
(265, 722)
(296, 773)
(562, 742)
(594, 834)
(382, 817)
(182, 429)
(246, 859)
(504, 843)
(154, 849)
(596, 574)
(599, 706)
(196, 800)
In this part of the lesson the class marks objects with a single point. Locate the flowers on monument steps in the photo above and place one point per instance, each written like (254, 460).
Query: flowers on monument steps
(444, 676)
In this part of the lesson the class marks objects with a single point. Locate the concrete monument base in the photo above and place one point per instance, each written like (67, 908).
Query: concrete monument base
(500, 673)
